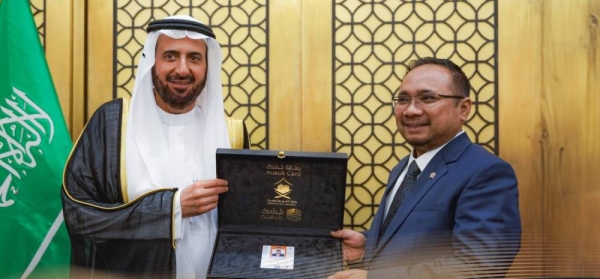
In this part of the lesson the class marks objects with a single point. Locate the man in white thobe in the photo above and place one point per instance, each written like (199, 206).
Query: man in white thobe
(140, 192)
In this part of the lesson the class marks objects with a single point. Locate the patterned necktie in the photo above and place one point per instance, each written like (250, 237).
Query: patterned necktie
(407, 183)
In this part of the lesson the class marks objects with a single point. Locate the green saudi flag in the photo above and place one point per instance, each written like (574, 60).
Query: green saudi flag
(34, 146)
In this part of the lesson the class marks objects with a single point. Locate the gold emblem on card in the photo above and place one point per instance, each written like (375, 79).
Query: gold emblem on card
(282, 195)
(294, 214)
(283, 188)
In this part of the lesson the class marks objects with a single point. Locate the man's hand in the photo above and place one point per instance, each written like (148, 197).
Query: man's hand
(201, 197)
(353, 244)
(350, 274)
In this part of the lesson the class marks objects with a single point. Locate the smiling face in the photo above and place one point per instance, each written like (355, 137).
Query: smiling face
(427, 128)
(179, 73)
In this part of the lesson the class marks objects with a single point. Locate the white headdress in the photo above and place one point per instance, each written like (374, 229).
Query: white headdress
(146, 145)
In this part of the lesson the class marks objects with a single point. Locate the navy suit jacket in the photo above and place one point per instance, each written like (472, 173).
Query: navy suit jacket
(460, 219)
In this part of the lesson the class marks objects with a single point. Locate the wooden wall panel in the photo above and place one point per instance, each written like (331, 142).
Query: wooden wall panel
(100, 54)
(285, 75)
(549, 127)
(64, 27)
(570, 112)
(519, 84)
(317, 95)
(59, 52)
(78, 105)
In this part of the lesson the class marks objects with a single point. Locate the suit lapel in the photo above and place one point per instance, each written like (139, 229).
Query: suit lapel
(438, 165)
(421, 187)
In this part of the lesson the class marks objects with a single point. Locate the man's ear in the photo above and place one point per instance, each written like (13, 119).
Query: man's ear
(465, 108)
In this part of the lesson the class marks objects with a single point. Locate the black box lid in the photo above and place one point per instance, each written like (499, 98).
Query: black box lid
(278, 191)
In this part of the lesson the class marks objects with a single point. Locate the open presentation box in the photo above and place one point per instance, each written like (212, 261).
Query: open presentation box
(275, 220)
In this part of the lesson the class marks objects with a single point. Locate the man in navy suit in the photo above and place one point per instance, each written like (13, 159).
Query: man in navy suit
(451, 207)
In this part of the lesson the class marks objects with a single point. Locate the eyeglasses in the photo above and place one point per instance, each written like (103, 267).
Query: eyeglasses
(425, 100)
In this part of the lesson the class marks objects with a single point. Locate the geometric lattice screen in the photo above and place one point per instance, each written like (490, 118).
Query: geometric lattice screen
(240, 28)
(38, 9)
(373, 43)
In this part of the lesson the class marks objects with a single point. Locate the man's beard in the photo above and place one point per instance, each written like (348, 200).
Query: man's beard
(175, 99)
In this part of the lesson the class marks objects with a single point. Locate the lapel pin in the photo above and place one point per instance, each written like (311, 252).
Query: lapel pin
(432, 175)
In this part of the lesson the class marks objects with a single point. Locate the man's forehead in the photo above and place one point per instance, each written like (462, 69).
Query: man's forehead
(164, 41)
(429, 71)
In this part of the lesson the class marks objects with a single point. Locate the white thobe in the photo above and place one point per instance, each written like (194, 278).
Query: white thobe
(194, 236)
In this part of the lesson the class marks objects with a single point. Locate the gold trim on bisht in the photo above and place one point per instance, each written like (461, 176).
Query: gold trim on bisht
(235, 127)
(123, 149)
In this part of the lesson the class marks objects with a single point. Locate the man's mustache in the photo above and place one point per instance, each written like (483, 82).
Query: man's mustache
(177, 77)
